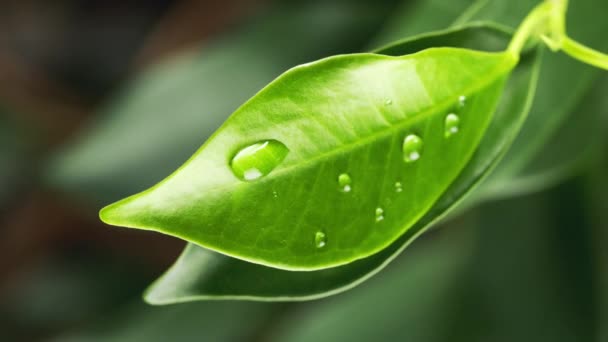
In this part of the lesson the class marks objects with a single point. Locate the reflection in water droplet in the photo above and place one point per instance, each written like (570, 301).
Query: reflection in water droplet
(398, 187)
(388, 102)
(320, 239)
(462, 101)
(345, 182)
(412, 148)
(257, 160)
(252, 174)
(379, 214)
(452, 123)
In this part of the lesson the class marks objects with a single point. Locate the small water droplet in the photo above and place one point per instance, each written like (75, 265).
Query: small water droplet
(462, 101)
(412, 148)
(257, 160)
(388, 102)
(379, 214)
(398, 187)
(275, 194)
(345, 181)
(320, 239)
(452, 123)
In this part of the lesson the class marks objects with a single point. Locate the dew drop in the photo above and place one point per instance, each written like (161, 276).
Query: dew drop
(388, 102)
(398, 187)
(452, 123)
(275, 194)
(462, 101)
(257, 160)
(379, 214)
(344, 181)
(412, 148)
(320, 239)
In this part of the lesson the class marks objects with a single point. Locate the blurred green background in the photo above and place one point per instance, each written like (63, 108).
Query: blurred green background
(101, 99)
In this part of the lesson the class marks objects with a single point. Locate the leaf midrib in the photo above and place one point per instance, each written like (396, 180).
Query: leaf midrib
(391, 129)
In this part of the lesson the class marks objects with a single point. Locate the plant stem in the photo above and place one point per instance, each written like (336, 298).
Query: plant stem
(585, 54)
(536, 20)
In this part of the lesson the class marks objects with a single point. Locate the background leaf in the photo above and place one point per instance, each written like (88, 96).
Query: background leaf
(418, 17)
(572, 148)
(188, 322)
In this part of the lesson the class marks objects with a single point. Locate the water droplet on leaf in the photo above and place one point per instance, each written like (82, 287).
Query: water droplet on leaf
(388, 102)
(345, 181)
(398, 187)
(412, 148)
(257, 160)
(379, 214)
(462, 101)
(320, 239)
(452, 123)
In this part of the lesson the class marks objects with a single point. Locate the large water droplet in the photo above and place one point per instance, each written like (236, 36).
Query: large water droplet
(452, 123)
(379, 214)
(345, 181)
(257, 160)
(398, 187)
(412, 148)
(320, 239)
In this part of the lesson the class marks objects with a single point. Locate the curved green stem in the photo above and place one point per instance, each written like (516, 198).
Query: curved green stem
(532, 24)
(548, 21)
(585, 54)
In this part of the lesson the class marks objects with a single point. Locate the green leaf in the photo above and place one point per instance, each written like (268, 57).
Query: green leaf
(572, 148)
(381, 120)
(418, 17)
(201, 274)
(159, 119)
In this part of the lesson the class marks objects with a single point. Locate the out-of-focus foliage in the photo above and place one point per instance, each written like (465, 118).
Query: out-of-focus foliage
(210, 321)
(568, 151)
(12, 157)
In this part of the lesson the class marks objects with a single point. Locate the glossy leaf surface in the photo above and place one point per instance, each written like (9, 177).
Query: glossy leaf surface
(201, 274)
(380, 119)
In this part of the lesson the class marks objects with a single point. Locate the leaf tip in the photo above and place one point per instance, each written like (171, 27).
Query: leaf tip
(157, 295)
(150, 297)
(113, 214)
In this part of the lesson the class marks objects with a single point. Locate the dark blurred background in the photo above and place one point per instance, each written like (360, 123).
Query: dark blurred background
(101, 99)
